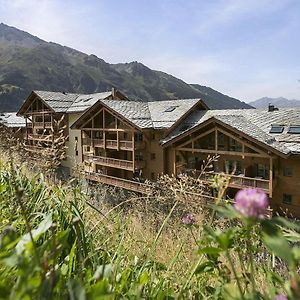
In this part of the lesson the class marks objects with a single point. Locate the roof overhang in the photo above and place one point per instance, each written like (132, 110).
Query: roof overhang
(93, 109)
(28, 101)
(213, 120)
(186, 114)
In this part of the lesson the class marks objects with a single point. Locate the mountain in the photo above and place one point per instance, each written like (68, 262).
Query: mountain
(29, 63)
(277, 102)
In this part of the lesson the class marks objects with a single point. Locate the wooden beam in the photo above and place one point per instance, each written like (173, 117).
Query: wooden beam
(91, 119)
(241, 141)
(197, 137)
(109, 129)
(208, 151)
(216, 140)
(133, 152)
(174, 162)
(104, 133)
(271, 178)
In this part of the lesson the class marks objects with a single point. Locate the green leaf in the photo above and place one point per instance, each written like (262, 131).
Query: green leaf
(36, 233)
(64, 269)
(103, 271)
(144, 278)
(280, 247)
(205, 267)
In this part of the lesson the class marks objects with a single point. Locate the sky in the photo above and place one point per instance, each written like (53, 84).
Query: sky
(247, 49)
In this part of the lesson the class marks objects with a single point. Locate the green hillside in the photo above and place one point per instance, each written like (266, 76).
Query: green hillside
(28, 63)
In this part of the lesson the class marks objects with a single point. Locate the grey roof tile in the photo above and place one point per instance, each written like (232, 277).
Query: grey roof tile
(11, 120)
(253, 122)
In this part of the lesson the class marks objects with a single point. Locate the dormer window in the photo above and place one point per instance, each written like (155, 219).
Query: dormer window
(294, 129)
(276, 129)
(171, 108)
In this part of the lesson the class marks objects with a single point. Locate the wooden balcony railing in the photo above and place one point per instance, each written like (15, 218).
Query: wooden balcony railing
(239, 181)
(113, 144)
(110, 162)
(42, 124)
(118, 182)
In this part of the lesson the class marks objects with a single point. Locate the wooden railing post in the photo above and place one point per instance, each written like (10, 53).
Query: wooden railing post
(271, 178)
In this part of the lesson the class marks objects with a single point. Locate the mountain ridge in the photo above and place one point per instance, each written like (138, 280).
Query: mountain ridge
(30, 63)
(279, 102)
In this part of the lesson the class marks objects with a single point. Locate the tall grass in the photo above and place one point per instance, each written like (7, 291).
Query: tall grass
(62, 242)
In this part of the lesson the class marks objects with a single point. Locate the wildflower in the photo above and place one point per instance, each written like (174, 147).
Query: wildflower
(251, 203)
(280, 297)
(189, 219)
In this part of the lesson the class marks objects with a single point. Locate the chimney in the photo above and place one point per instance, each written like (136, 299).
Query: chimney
(114, 92)
(272, 107)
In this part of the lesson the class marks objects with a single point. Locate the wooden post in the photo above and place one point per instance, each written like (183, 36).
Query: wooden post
(133, 152)
(216, 140)
(174, 163)
(116, 127)
(271, 178)
(52, 128)
(104, 133)
(26, 129)
(81, 145)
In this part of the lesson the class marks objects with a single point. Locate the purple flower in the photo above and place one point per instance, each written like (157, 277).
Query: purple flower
(251, 203)
(280, 297)
(189, 219)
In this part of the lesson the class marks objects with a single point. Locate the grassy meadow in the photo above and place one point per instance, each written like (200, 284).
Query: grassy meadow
(68, 240)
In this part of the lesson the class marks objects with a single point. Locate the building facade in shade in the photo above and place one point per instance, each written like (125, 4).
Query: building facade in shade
(10, 123)
(123, 143)
(48, 116)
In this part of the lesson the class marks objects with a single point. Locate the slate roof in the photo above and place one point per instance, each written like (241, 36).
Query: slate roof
(11, 120)
(255, 123)
(135, 111)
(151, 114)
(68, 102)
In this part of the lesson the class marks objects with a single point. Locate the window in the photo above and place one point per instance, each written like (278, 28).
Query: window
(88, 148)
(76, 138)
(138, 136)
(171, 108)
(152, 156)
(276, 129)
(233, 166)
(262, 171)
(216, 166)
(76, 152)
(221, 141)
(287, 199)
(234, 145)
(294, 129)
(139, 156)
(288, 171)
(211, 142)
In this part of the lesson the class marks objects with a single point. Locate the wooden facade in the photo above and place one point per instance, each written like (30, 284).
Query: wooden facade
(117, 151)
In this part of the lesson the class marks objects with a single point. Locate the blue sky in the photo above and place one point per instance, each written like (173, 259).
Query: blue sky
(245, 48)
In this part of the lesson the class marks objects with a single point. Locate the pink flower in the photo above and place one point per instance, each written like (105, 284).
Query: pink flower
(189, 219)
(251, 203)
(280, 297)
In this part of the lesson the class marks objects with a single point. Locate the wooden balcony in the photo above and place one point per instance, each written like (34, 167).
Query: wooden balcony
(113, 144)
(42, 124)
(110, 162)
(118, 182)
(239, 182)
